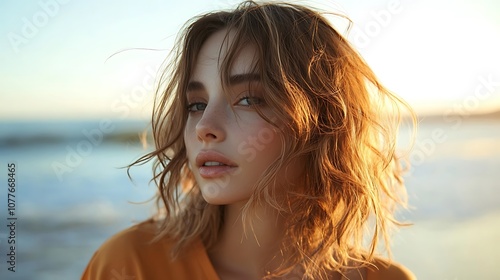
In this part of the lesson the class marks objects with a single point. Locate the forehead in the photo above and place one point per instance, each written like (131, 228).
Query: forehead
(214, 51)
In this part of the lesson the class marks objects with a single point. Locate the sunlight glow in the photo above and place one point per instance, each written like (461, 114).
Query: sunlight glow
(67, 63)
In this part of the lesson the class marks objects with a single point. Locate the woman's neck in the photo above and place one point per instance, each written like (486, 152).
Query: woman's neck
(247, 253)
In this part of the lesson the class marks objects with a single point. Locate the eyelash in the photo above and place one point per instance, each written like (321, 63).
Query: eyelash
(190, 107)
(256, 101)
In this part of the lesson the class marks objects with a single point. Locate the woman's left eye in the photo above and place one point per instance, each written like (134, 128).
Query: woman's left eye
(249, 101)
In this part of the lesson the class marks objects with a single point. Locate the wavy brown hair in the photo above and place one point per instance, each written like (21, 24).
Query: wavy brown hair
(336, 115)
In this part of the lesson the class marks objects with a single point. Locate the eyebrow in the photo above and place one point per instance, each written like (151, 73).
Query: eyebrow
(233, 80)
(242, 78)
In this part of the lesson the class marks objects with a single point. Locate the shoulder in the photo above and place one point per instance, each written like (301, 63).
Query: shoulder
(134, 241)
(381, 268)
(127, 251)
(132, 237)
(136, 253)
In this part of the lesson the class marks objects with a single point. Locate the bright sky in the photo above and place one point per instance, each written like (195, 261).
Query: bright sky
(62, 59)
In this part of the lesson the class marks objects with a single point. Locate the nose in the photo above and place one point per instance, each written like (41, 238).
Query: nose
(210, 127)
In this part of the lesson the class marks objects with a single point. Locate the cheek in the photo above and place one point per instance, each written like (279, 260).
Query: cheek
(268, 148)
(190, 139)
(272, 145)
(189, 134)
(261, 147)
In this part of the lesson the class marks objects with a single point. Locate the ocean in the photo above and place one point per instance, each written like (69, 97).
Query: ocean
(72, 193)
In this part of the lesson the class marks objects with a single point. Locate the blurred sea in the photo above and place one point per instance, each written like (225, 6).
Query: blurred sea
(72, 195)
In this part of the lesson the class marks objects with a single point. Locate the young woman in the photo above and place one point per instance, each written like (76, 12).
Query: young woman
(274, 155)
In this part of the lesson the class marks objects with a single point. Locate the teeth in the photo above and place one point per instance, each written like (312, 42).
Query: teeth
(212, 163)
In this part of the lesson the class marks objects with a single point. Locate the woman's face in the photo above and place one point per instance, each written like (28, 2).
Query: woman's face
(229, 145)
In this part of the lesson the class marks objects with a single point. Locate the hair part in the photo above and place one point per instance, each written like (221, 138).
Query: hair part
(332, 108)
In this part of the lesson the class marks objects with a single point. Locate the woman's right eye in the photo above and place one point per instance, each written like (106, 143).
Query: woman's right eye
(196, 106)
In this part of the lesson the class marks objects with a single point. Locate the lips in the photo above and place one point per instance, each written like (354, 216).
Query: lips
(212, 164)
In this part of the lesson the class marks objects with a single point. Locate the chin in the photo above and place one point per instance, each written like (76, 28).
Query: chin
(215, 196)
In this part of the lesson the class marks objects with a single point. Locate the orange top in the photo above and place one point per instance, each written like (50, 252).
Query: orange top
(130, 254)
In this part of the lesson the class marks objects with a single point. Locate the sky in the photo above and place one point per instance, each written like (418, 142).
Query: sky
(69, 59)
